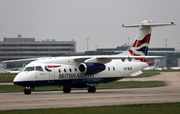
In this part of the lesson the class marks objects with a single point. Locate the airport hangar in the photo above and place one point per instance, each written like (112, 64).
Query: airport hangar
(23, 48)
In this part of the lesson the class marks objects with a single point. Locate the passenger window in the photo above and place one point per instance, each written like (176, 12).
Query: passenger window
(70, 70)
(29, 69)
(59, 71)
(108, 68)
(65, 70)
(39, 68)
(113, 68)
(75, 70)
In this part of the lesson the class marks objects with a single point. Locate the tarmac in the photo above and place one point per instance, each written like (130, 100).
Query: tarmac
(81, 98)
(171, 79)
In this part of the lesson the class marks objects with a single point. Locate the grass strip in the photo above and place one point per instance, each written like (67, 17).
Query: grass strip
(157, 108)
(4, 78)
(148, 73)
(113, 85)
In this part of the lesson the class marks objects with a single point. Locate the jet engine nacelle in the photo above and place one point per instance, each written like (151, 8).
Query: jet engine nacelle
(91, 68)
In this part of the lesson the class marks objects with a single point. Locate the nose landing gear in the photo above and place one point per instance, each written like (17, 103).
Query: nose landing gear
(27, 90)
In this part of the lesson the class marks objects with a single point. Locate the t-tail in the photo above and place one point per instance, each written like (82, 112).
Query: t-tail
(142, 39)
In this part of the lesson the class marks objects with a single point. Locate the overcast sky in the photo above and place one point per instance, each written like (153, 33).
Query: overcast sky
(98, 20)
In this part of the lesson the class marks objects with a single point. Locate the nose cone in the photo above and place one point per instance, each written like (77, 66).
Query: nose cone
(20, 79)
(24, 79)
(16, 79)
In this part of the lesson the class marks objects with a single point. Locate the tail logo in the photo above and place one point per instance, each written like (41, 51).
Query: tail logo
(140, 47)
(146, 39)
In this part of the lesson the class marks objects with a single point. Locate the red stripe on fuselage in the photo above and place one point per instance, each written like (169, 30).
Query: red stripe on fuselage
(146, 39)
(53, 66)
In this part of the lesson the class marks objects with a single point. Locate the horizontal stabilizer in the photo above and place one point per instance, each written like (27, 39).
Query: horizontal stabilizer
(149, 24)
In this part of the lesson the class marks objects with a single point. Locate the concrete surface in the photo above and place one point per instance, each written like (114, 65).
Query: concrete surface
(79, 98)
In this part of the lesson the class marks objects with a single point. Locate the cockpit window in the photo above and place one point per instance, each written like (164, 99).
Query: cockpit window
(29, 69)
(39, 68)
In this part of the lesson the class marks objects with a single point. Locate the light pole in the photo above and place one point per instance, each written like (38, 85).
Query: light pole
(166, 52)
(96, 47)
(128, 41)
(87, 43)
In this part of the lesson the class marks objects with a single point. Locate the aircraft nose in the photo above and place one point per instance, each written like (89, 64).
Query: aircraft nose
(23, 79)
(17, 80)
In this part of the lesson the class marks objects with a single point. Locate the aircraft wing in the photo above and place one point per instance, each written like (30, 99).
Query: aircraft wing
(106, 59)
(127, 57)
(114, 57)
(24, 60)
(99, 59)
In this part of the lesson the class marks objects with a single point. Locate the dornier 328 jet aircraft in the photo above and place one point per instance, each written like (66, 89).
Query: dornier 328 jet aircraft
(88, 71)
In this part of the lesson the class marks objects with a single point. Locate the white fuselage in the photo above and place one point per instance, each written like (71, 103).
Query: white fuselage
(64, 71)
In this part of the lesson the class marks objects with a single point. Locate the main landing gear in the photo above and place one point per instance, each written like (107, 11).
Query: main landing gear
(91, 89)
(66, 89)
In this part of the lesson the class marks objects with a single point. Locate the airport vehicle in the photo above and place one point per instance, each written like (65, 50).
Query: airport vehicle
(15, 70)
(175, 68)
(155, 67)
(88, 71)
(2, 70)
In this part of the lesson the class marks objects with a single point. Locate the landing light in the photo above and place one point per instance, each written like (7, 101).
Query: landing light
(25, 88)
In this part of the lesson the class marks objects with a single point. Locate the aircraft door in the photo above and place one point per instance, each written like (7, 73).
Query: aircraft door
(51, 73)
(120, 69)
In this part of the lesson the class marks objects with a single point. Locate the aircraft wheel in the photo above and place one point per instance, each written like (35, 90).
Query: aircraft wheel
(27, 92)
(66, 89)
(91, 89)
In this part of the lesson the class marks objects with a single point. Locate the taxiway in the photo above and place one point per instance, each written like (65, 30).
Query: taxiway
(79, 98)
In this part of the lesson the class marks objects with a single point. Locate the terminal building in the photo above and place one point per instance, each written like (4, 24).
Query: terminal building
(23, 48)
(171, 56)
